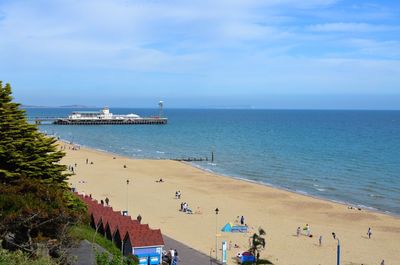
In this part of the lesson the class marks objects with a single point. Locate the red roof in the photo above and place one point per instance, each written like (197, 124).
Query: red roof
(140, 235)
(147, 237)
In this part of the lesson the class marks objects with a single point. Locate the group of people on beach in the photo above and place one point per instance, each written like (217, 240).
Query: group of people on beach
(185, 208)
(240, 220)
(74, 147)
(72, 167)
(88, 162)
(307, 230)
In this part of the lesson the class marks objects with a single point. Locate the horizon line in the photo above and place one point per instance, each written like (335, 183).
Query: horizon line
(206, 108)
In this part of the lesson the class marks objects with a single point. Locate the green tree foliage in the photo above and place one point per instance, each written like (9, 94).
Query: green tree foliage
(32, 213)
(257, 243)
(24, 151)
(36, 207)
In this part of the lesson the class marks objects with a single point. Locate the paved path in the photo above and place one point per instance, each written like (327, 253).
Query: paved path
(81, 254)
(188, 255)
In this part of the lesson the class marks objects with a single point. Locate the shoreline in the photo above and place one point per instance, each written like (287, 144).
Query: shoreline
(277, 211)
(272, 186)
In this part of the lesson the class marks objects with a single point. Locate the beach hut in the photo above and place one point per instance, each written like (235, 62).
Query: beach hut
(146, 244)
(128, 235)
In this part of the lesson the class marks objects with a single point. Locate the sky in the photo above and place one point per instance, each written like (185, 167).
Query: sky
(309, 54)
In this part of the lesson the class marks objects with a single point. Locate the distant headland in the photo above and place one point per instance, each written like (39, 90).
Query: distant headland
(65, 106)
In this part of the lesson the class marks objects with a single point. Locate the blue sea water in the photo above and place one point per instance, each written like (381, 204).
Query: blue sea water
(346, 156)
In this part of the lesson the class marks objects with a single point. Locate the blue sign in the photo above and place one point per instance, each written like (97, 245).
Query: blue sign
(224, 258)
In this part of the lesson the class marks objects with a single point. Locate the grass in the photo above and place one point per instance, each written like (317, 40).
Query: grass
(82, 232)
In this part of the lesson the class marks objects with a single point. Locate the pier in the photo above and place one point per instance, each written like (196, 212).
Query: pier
(42, 120)
(140, 121)
(102, 117)
(67, 121)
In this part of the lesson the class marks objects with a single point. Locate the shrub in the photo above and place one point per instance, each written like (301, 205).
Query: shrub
(20, 258)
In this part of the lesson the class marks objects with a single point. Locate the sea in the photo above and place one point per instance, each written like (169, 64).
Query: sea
(346, 156)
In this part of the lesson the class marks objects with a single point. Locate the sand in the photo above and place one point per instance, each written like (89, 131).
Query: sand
(278, 212)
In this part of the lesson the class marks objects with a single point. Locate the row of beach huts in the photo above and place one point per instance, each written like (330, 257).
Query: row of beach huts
(130, 236)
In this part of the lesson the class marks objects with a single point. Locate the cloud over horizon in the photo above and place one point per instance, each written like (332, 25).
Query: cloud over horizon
(199, 48)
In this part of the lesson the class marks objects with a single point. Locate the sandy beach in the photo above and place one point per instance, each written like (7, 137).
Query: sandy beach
(278, 212)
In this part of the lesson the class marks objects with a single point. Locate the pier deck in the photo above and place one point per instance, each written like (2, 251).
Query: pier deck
(66, 121)
(112, 121)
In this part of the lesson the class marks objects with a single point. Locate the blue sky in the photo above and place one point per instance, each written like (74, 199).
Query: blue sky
(203, 53)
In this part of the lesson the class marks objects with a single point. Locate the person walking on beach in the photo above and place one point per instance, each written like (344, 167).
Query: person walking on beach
(298, 231)
(320, 240)
(308, 230)
(107, 201)
(333, 235)
(242, 220)
(383, 262)
(139, 218)
(369, 233)
(87, 161)
(102, 202)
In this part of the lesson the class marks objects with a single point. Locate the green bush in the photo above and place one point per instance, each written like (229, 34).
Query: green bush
(116, 259)
(33, 212)
(20, 258)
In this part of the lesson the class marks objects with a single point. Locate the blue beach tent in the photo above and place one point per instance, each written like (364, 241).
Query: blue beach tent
(227, 228)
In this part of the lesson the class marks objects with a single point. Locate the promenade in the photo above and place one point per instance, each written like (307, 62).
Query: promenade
(188, 255)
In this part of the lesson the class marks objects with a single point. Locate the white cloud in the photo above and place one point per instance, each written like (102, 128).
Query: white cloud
(243, 43)
(350, 27)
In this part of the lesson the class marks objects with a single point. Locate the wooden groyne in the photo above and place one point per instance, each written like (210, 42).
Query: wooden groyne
(195, 159)
(191, 159)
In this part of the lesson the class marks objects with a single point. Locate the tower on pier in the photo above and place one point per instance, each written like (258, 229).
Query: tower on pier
(161, 105)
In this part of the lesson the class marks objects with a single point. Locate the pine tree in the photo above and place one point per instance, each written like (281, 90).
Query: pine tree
(35, 204)
(24, 151)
